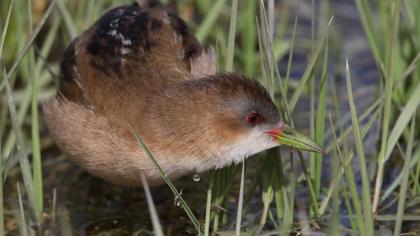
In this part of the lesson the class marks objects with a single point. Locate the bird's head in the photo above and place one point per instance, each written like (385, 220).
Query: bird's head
(233, 117)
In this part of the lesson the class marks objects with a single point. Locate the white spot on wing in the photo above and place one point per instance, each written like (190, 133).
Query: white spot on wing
(126, 42)
(113, 33)
(114, 23)
(125, 51)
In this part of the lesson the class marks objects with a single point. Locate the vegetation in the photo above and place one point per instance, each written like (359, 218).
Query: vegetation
(367, 182)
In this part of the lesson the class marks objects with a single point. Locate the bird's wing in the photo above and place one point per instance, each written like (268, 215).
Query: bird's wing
(141, 47)
(204, 64)
(199, 61)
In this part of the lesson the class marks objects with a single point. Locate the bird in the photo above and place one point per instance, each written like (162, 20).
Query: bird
(140, 69)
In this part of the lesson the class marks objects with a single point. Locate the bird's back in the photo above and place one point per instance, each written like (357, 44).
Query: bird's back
(131, 49)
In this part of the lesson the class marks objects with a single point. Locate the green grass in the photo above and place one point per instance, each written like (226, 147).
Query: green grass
(1, 194)
(278, 192)
(157, 227)
(360, 149)
(389, 83)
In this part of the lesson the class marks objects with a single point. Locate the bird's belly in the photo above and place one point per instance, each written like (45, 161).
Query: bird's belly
(89, 141)
(131, 177)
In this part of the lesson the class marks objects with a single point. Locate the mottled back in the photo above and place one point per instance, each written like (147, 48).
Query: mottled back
(131, 51)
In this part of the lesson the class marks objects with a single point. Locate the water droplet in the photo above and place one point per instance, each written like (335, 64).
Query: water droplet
(196, 178)
(177, 200)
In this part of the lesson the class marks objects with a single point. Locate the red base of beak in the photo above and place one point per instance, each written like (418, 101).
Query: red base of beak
(276, 132)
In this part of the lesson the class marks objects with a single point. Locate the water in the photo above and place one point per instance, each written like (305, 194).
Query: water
(196, 178)
(177, 200)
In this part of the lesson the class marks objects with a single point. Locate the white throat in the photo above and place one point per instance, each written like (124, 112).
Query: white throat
(256, 141)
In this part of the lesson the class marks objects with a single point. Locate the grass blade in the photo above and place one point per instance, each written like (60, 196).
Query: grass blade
(403, 119)
(389, 85)
(367, 207)
(231, 40)
(354, 194)
(36, 146)
(23, 226)
(272, 77)
(208, 206)
(157, 227)
(292, 47)
(308, 72)
(20, 145)
(31, 40)
(5, 27)
(177, 194)
(1, 192)
(404, 182)
(70, 26)
(334, 219)
(346, 161)
(397, 180)
(320, 122)
(208, 22)
(240, 202)
(369, 26)
(393, 218)
(249, 36)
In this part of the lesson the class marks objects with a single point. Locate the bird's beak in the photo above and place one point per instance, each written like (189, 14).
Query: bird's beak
(286, 135)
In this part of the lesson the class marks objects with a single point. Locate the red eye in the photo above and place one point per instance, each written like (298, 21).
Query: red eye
(253, 118)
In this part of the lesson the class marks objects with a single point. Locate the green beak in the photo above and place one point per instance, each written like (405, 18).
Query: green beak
(286, 135)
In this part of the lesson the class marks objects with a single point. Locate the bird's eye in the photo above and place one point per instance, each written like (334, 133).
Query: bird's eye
(253, 118)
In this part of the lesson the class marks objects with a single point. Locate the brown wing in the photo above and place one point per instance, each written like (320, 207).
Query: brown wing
(129, 49)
